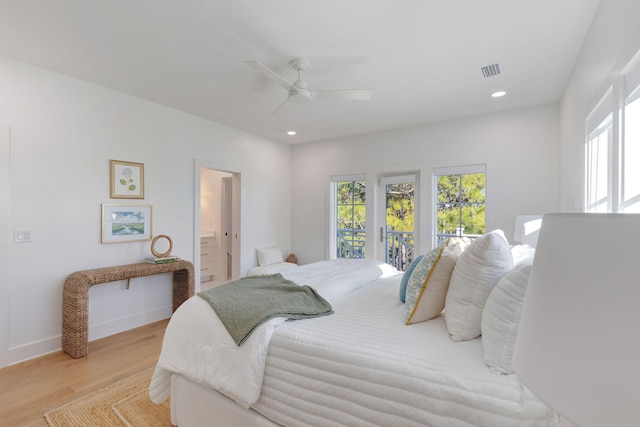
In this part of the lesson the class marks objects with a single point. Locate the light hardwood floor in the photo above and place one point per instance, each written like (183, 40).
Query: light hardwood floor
(29, 389)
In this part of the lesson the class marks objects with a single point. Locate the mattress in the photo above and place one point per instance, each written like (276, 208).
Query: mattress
(362, 366)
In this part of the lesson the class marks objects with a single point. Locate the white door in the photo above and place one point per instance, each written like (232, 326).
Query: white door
(227, 226)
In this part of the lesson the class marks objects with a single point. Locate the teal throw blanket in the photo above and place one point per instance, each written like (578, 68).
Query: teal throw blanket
(244, 304)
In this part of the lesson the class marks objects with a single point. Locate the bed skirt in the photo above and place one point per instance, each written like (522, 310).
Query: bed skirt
(194, 405)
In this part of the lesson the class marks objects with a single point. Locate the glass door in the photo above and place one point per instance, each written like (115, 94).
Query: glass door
(397, 235)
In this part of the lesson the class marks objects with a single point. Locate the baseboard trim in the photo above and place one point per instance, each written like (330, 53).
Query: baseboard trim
(122, 324)
(33, 350)
(36, 349)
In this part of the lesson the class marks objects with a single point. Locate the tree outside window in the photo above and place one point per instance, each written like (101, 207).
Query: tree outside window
(460, 205)
(351, 219)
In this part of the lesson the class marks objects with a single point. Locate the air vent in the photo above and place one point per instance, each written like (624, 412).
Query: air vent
(490, 70)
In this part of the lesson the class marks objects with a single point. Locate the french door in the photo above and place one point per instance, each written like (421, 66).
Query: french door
(397, 214)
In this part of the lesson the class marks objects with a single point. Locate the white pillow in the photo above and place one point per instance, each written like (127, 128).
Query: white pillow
(485, 261)
(271, 269)
(501, 318)
(522, 253)
(269, 256)
(428, 283)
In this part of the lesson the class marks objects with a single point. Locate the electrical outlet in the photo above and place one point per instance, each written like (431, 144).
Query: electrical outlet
(22, 235)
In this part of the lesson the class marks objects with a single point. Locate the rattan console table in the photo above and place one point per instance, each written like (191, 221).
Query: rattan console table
(75, 298)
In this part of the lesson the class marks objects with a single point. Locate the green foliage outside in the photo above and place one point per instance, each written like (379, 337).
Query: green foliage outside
(400, 217)
(461, 200)
(401, 206)
(352, 204)
(351, 218)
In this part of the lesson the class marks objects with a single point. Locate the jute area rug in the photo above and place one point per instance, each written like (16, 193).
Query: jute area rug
(124, 403)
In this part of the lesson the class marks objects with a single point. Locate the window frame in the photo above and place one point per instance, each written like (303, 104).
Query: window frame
(593, 163)
(624, 90)
(631, 96)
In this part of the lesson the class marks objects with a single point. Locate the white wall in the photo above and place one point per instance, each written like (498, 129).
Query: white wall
(519, 148)
(5, 177)
(63, 133)
(613, 38)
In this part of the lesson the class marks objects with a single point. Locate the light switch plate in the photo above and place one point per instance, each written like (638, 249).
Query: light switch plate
(22, 235)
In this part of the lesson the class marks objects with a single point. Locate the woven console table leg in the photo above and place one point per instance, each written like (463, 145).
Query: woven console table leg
(75, 298)
(183, 287)
(75, 317)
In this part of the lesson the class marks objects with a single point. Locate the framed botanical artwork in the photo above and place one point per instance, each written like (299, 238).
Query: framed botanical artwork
(126, 180)
(126, 223)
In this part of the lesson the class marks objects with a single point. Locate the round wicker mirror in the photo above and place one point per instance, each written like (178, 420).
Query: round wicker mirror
(153, 246)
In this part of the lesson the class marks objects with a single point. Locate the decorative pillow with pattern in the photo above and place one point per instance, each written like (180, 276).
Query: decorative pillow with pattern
(427, 287)
(405, 278)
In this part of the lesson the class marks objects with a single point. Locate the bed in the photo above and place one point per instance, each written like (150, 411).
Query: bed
(365, 364)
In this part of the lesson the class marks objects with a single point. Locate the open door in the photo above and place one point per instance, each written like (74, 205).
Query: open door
(227, 226)
(218, 216)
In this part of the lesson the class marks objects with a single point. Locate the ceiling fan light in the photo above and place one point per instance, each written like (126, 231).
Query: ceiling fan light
(299, 96)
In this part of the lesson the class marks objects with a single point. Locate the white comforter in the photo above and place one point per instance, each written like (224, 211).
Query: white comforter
(363, 367)
(197, 345)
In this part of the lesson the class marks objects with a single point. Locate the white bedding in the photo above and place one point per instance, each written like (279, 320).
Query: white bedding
(197, 345)
(359, 366)
(358, 369)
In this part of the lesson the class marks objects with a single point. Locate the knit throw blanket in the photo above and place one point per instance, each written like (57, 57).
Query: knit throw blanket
(244, 304)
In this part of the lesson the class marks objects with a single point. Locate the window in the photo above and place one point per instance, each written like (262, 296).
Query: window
(630, 158)
(599, 145)
(460, 202)
(349, 198)
(612, 150)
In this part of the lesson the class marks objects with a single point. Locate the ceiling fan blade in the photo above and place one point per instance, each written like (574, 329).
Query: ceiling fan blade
(279, 106)
(353, 95)
(269, 73)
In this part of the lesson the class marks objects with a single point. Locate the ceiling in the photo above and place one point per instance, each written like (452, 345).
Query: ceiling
(421, 58)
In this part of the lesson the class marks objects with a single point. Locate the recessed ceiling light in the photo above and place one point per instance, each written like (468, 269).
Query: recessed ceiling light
(291, 132)
(498, 94)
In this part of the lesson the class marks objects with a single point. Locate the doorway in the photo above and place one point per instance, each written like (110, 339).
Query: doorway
(219, 225)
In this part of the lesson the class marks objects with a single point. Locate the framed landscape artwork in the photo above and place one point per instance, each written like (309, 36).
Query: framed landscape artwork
(126, 180)
(126, 223)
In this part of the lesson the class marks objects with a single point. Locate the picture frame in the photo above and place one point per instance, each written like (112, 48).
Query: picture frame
(126, 180)
(123, 223)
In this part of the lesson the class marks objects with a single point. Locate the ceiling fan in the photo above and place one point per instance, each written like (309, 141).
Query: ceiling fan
(298, 91)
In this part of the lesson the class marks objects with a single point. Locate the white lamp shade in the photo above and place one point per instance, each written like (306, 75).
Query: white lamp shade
(578, 346)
